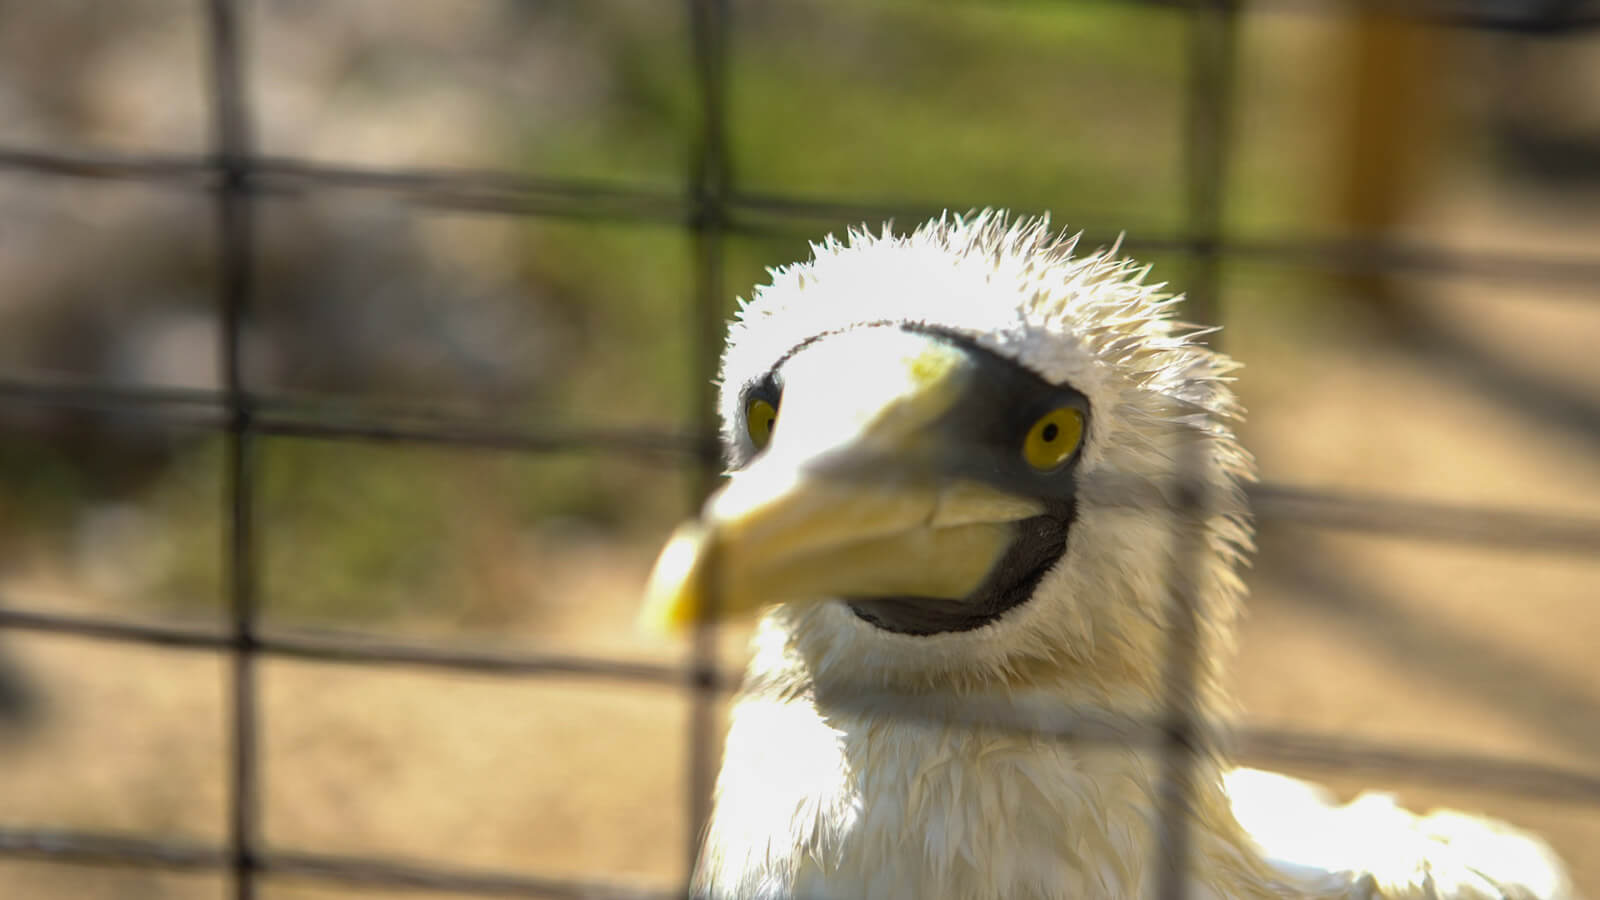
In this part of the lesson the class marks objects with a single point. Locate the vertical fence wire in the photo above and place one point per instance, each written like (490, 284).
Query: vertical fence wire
(1212, 48)
(1212, 51)
(709, 183)
(232, 149)
(1178, 733)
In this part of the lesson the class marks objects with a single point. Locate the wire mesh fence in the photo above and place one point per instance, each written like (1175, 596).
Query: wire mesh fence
(710, 206)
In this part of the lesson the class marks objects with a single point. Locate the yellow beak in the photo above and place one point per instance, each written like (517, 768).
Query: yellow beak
(844, 502)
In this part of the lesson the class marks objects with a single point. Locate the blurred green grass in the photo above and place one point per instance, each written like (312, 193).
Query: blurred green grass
(1024, 105)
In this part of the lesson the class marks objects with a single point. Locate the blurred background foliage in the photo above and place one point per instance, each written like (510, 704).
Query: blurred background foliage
(363, 298)
(366, 300)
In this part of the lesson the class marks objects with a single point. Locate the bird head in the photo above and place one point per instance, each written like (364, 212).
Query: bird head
(963, 456)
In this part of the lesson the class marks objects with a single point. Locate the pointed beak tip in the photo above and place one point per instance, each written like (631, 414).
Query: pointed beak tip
(672, 595)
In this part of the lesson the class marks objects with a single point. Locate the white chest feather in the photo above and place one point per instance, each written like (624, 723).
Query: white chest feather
(832, 806)
(810, 807)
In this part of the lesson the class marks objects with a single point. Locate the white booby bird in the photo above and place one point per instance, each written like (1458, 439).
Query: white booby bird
(954, 482)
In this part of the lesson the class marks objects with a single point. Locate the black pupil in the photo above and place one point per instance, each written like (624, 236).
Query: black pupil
(1050, 432)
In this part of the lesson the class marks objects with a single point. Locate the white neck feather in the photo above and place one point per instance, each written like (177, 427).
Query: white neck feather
(877, 796)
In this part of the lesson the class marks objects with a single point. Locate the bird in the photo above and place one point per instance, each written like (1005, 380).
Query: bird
(979, 487)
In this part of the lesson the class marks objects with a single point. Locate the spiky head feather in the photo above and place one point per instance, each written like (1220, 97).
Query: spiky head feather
(1161, 467)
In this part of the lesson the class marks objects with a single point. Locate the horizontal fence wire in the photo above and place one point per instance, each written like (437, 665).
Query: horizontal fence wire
(96, 849)
(290, 416)
(1517, 18)
(757, 213)
(1263, 744)
(711, 206)
(360, 649)
(283, 416)
(1327, 752)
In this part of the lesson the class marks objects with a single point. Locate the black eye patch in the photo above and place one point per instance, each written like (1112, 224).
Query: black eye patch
(981, 436)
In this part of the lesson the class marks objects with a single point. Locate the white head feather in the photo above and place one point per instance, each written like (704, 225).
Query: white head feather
(1091, 322)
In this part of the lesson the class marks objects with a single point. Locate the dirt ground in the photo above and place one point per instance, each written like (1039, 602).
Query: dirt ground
(1474, 648)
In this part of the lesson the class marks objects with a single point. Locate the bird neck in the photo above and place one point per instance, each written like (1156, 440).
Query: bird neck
(1017, 793)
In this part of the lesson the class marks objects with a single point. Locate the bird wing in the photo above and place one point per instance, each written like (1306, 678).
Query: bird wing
(1374, 848)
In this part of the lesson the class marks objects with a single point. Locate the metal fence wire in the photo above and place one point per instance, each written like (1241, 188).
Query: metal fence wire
(711, 206)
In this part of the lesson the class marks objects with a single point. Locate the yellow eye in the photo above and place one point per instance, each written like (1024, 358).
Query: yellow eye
(759, 417)
(1053, 438)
